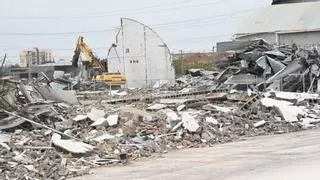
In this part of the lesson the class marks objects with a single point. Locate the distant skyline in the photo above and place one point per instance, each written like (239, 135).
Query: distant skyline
(190, 25)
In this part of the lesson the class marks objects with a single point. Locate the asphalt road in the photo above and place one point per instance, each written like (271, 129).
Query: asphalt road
(291, 156)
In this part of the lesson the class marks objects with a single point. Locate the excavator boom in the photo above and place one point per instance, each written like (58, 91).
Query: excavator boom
(87, 51)
(113, 79)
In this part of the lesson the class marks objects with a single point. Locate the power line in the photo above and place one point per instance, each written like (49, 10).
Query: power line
(54, 34)
(159, 10)
(195, 21)
(201, 37)
(105, 48)
(204, 18)
(198, 24)
(119, 12)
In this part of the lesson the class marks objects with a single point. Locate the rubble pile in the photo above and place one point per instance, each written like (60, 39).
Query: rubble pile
(261, 66)
(47, 133)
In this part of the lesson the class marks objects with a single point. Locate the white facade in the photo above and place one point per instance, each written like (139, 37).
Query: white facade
(140, 54)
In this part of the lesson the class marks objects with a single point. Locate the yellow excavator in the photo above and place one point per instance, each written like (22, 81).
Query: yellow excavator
(98, 68)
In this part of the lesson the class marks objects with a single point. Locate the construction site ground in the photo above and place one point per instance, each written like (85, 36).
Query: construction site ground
(289, 156)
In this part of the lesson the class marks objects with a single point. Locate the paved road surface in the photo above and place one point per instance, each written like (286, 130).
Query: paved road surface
(292, 156)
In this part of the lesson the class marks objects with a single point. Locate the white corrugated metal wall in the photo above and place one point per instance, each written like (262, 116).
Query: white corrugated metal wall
(141, 54)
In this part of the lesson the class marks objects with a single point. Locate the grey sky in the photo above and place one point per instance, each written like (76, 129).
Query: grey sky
(171, 19)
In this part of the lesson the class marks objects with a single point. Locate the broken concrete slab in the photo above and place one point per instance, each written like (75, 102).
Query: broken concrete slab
(259, 124)
(100, 122)
(181, 107)
(119, 93)
(294, 95)
(80, 118)
(112, 120)
(306, 121)
(189, 122)
(96, 114)
(212, 120)
(170, 114)
(4, 138)
(72, 146)
(156, 107)
(160, 83)
(288, 111)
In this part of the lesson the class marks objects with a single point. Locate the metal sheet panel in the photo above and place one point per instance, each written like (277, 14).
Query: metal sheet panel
(285, 17)
(141, 54)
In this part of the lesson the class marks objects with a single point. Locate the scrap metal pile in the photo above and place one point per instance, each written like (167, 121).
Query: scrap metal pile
(49, 134)
(260, 66)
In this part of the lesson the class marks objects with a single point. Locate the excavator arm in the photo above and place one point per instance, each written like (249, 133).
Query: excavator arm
(83, 48)
(113, 79)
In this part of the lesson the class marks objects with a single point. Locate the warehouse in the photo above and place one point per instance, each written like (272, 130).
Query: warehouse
(284, 22)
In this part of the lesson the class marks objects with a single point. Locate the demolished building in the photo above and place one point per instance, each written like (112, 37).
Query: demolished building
(141, 54)
(54, 134)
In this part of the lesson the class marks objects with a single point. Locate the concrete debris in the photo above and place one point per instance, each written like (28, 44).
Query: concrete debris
(52, 134)
(96, 114)
(295, 96)
(119, 93)
(171, 115)
(135, 114)
(160, 83)
(80, 118)
(112, 120)
(181, 107)
(71, 145)
(100, 122)
(212, 120)
(189, 122)
(156, 107)
(288, 111)
(4, 138)
(259, 124)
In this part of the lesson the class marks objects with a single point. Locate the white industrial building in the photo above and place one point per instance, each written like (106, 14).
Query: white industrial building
(285, 22)
(141, 54)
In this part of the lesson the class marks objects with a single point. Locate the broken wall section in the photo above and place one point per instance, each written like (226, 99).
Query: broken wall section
(140, 54)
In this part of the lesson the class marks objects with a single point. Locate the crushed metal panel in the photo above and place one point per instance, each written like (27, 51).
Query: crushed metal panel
(275, 65)
(269, 65)
(291, 68)
(10, 122)
(60, 96)
(244, 79)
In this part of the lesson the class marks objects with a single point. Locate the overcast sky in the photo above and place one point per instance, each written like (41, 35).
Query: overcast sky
(190, 25)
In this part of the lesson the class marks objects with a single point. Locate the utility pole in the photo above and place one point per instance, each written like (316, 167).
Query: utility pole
(211, 63)
(3, 60)
(28, 66)
(181, 62)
